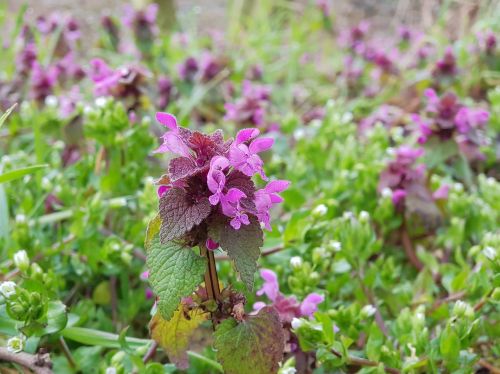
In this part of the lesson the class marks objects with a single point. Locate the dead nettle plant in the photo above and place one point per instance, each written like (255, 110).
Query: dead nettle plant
(207, 200)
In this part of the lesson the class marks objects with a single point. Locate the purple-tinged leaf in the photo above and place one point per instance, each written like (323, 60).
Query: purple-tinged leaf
(179, 213)
(255, 345)
(242, 245)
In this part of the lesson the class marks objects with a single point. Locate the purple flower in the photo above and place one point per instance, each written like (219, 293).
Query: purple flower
(310, 304)
(104, 77)
(231, 207)
(43, 81)
(468, 119)
(216, 179)
(210, 66)
(218, 172)
(287, 307)
(188, 69)
(26, 58)
(447, 66)
(68, 102)
(165, 92)
(243, 154)
(324, 6)
(401, 173)
(172, 142)
(268, 196)
(442, 192)
(251, 107)
(142, 22)
(69, 69)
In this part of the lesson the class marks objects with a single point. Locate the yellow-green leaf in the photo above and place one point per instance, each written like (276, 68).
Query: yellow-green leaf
(174, 336)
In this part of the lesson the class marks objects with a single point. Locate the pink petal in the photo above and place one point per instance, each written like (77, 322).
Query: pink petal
(173, 143)
(211, 245)
(310, 304)
(245, 135)
(167, 120)
(277, 186)
(234, 195)
(261, 145)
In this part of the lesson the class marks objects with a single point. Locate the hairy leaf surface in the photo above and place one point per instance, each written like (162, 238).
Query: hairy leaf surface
(175, 335)
(254, 346)
(179, 214)
(242, 246)
(174, 272)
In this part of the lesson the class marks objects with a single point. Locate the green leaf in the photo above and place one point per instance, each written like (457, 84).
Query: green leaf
(55, 321)
(152, 230)
(6, 114)
(95, 337)
(242, 246)
(253, 346)
(449, 344)
(19, 173)
(174, 335)
(174, 272)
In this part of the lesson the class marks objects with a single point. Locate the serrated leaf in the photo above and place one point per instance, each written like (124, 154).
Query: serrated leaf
(174, 272)
(254, 346)
(180, 167)
(179, 214)
(174, 336)
(242, 246)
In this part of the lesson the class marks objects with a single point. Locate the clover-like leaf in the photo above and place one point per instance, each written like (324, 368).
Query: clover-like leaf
(179, 213)
(174, 272)
(254, 346)
(174, 336)
(242, 246)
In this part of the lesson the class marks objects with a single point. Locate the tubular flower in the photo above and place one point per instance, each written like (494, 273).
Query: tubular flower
(217, 175)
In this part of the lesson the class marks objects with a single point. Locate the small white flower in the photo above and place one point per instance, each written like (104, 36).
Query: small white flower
(20, 218)
(348, 215)
(347, 117)
(458, 187)
(368, 310)
(21, 260)
(364, 216)
(15, 344)
(297, 323)
(87, 109)
(335, 245)
(390, 151)
(320, 210)
(296, 262)
(46, 183)
(288, 371)
(101, 101)
(490, 252)
(51, 101)
(7, 289)
(386, 193)
(490, 181)
(110, 370)
(321, 252)
(299, 134)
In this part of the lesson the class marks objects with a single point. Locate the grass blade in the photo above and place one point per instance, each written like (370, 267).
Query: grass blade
(19, 173)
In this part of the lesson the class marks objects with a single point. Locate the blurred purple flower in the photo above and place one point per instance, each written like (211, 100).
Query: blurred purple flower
(442, 192)
(165, 92)
(26, 58)
(250, 109)
(188, 69)
(446, 66)
(288, 307)
(43, 81)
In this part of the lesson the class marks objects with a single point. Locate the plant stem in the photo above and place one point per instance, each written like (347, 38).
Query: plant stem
(408, 247)
(211, 278)
(371, 299)
(151, 352)
(356, 361)
(38, 364)
(67, 352)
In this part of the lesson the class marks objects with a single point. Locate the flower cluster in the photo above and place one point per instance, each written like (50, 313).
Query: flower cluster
(123, 83)
(401, 173)
(446, 118)
(287, 307)
(250, 109)
(210, 168)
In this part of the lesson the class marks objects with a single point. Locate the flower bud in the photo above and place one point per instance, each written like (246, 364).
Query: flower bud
(368, 311)
(335, 245)
(320, 211)
(7, 289)
(490, 253)
(364, 216)
(21, 260)
(463, 309)
(296, 262)
(386, 193)
(15, 344)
